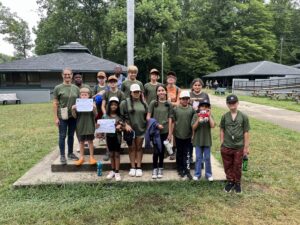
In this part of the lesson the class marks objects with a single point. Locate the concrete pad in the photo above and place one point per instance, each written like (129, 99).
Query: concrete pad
(41, 174)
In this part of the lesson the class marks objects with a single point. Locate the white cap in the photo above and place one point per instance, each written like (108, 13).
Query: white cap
(115, 99)
(184, 94)
(135, 87)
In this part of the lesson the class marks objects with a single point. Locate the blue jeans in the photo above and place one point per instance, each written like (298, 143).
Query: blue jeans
(200, 152)
(65, 126)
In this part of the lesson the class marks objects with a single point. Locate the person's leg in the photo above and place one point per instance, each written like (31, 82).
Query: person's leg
(139, 151)
(62, 128)
(208, 172)
(117, 161)
(179, 156)
(112, 160)
(227, 157)
(198, 162)
(237, 166)
(155, 159)
(186, 161)
(71, 129)
(132, 154)
(80, 161)
(162, 152)
(91, 148)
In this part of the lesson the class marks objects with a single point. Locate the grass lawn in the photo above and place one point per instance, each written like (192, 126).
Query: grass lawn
(271, 186)
(284, 104)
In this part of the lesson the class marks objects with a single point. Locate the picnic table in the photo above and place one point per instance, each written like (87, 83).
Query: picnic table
(220, 91)
(280, 95)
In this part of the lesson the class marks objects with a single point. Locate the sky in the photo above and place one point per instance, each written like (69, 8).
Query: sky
(25, 9)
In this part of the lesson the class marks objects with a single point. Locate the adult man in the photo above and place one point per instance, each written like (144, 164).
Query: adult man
(79, 82)
(119, 75)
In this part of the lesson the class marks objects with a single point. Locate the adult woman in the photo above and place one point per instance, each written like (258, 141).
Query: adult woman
(65, 95)
(133, 112)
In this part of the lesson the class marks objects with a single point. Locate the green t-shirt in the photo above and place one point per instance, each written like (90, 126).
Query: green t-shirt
(99, 88)
(161, 113)
(137, 119)
(150, 92)
(108, 94)
(183, 118)
(234, 129)
(202, 136)
(66, 96)
(126, 87)
(85, 123)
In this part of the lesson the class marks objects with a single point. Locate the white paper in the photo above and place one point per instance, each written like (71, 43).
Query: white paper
(106, 126)
(84, 104)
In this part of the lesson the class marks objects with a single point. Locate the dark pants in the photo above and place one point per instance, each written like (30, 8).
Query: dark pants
(232, 161)
(158, 156)
(183, 153)
(65, 126)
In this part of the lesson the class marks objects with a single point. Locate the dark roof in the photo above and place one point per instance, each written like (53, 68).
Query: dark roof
(262, 68)
(72, 55)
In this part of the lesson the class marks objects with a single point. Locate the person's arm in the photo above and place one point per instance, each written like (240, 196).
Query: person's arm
(95, 109)
(148, 116)
(55, 108)
(103, 106)
(221, 135)
(211, 121)
(246, 143)
(74, 114)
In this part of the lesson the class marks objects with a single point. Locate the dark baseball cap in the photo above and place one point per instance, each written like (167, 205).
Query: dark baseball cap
(204, 101)
(171, 74)
(232, 99)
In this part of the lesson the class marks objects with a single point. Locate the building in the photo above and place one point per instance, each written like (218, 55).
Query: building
(33, 79)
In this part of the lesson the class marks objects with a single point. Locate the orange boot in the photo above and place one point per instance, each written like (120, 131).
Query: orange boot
(79, 162)
(92, 161)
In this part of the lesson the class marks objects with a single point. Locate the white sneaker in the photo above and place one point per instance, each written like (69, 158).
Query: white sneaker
(117, 176)
(110, 175)
(132, 172)
(210, 179)
(160, 173)
(195, 178)
(139, 173)
(154, 173)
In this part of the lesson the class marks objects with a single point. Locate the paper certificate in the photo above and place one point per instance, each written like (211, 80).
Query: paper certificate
(84, 105)
(106, 126)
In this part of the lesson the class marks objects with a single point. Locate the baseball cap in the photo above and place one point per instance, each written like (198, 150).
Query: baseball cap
(171, 74)
(101, 74)
(112, 77)
(184, 94)
(154, 71)
(114, 99)
(204, 101)
(135, 87)
(232, 99)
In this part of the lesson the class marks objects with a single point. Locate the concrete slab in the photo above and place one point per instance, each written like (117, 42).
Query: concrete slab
(41, 174)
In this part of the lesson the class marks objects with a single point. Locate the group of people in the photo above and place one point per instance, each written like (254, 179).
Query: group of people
(155, 112)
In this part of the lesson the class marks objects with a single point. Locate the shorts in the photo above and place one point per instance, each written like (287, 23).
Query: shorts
(113, 144)
(88, 137)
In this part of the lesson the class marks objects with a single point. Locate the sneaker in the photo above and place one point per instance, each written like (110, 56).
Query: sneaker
(63, 160)
(79, 162)
(132, 172)
(181, 173)
(228, 187)
(93, 161)
(110, 175)
(160, 172)
(139, 173)
(195, 178)
(117, 176)
(154, 173)
(106, 156)
(210, 179)
(72, 156)
(78, 150)
(237, 188)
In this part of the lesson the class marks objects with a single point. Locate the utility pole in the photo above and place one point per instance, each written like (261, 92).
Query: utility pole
(130, 32)
(162, 62)
(281, 45)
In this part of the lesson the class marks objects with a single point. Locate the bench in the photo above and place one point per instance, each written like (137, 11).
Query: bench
(220, 91)
(12, 97)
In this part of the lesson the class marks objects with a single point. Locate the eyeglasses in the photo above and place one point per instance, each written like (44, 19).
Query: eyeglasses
(67, 74)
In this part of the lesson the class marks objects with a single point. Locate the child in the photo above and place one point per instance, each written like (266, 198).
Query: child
(201, 125)
(234, 136)
(131, 79)
(183, 115)
(150, 88)
(85, 128)
(172, 90)
(133, 112)
(161, 110)
(114, 140)
(112, 92)
(196, 93)
(99, 91)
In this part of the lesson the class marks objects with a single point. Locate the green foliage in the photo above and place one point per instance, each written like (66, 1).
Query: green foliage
(5, 58)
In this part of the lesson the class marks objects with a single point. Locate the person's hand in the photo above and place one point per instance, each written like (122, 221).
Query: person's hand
(160, 127)
(128, 128)
(74, 107)
(169, 138)
(101, 92)
(94, 105)
(97, 125)
(246, 151)
(56, 121)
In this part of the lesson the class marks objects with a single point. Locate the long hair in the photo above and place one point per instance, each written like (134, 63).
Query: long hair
(195, 81)
(157, 98)
(109, 110)
(132, 103)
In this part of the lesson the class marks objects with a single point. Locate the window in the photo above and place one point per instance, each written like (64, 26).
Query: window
(33, 79)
